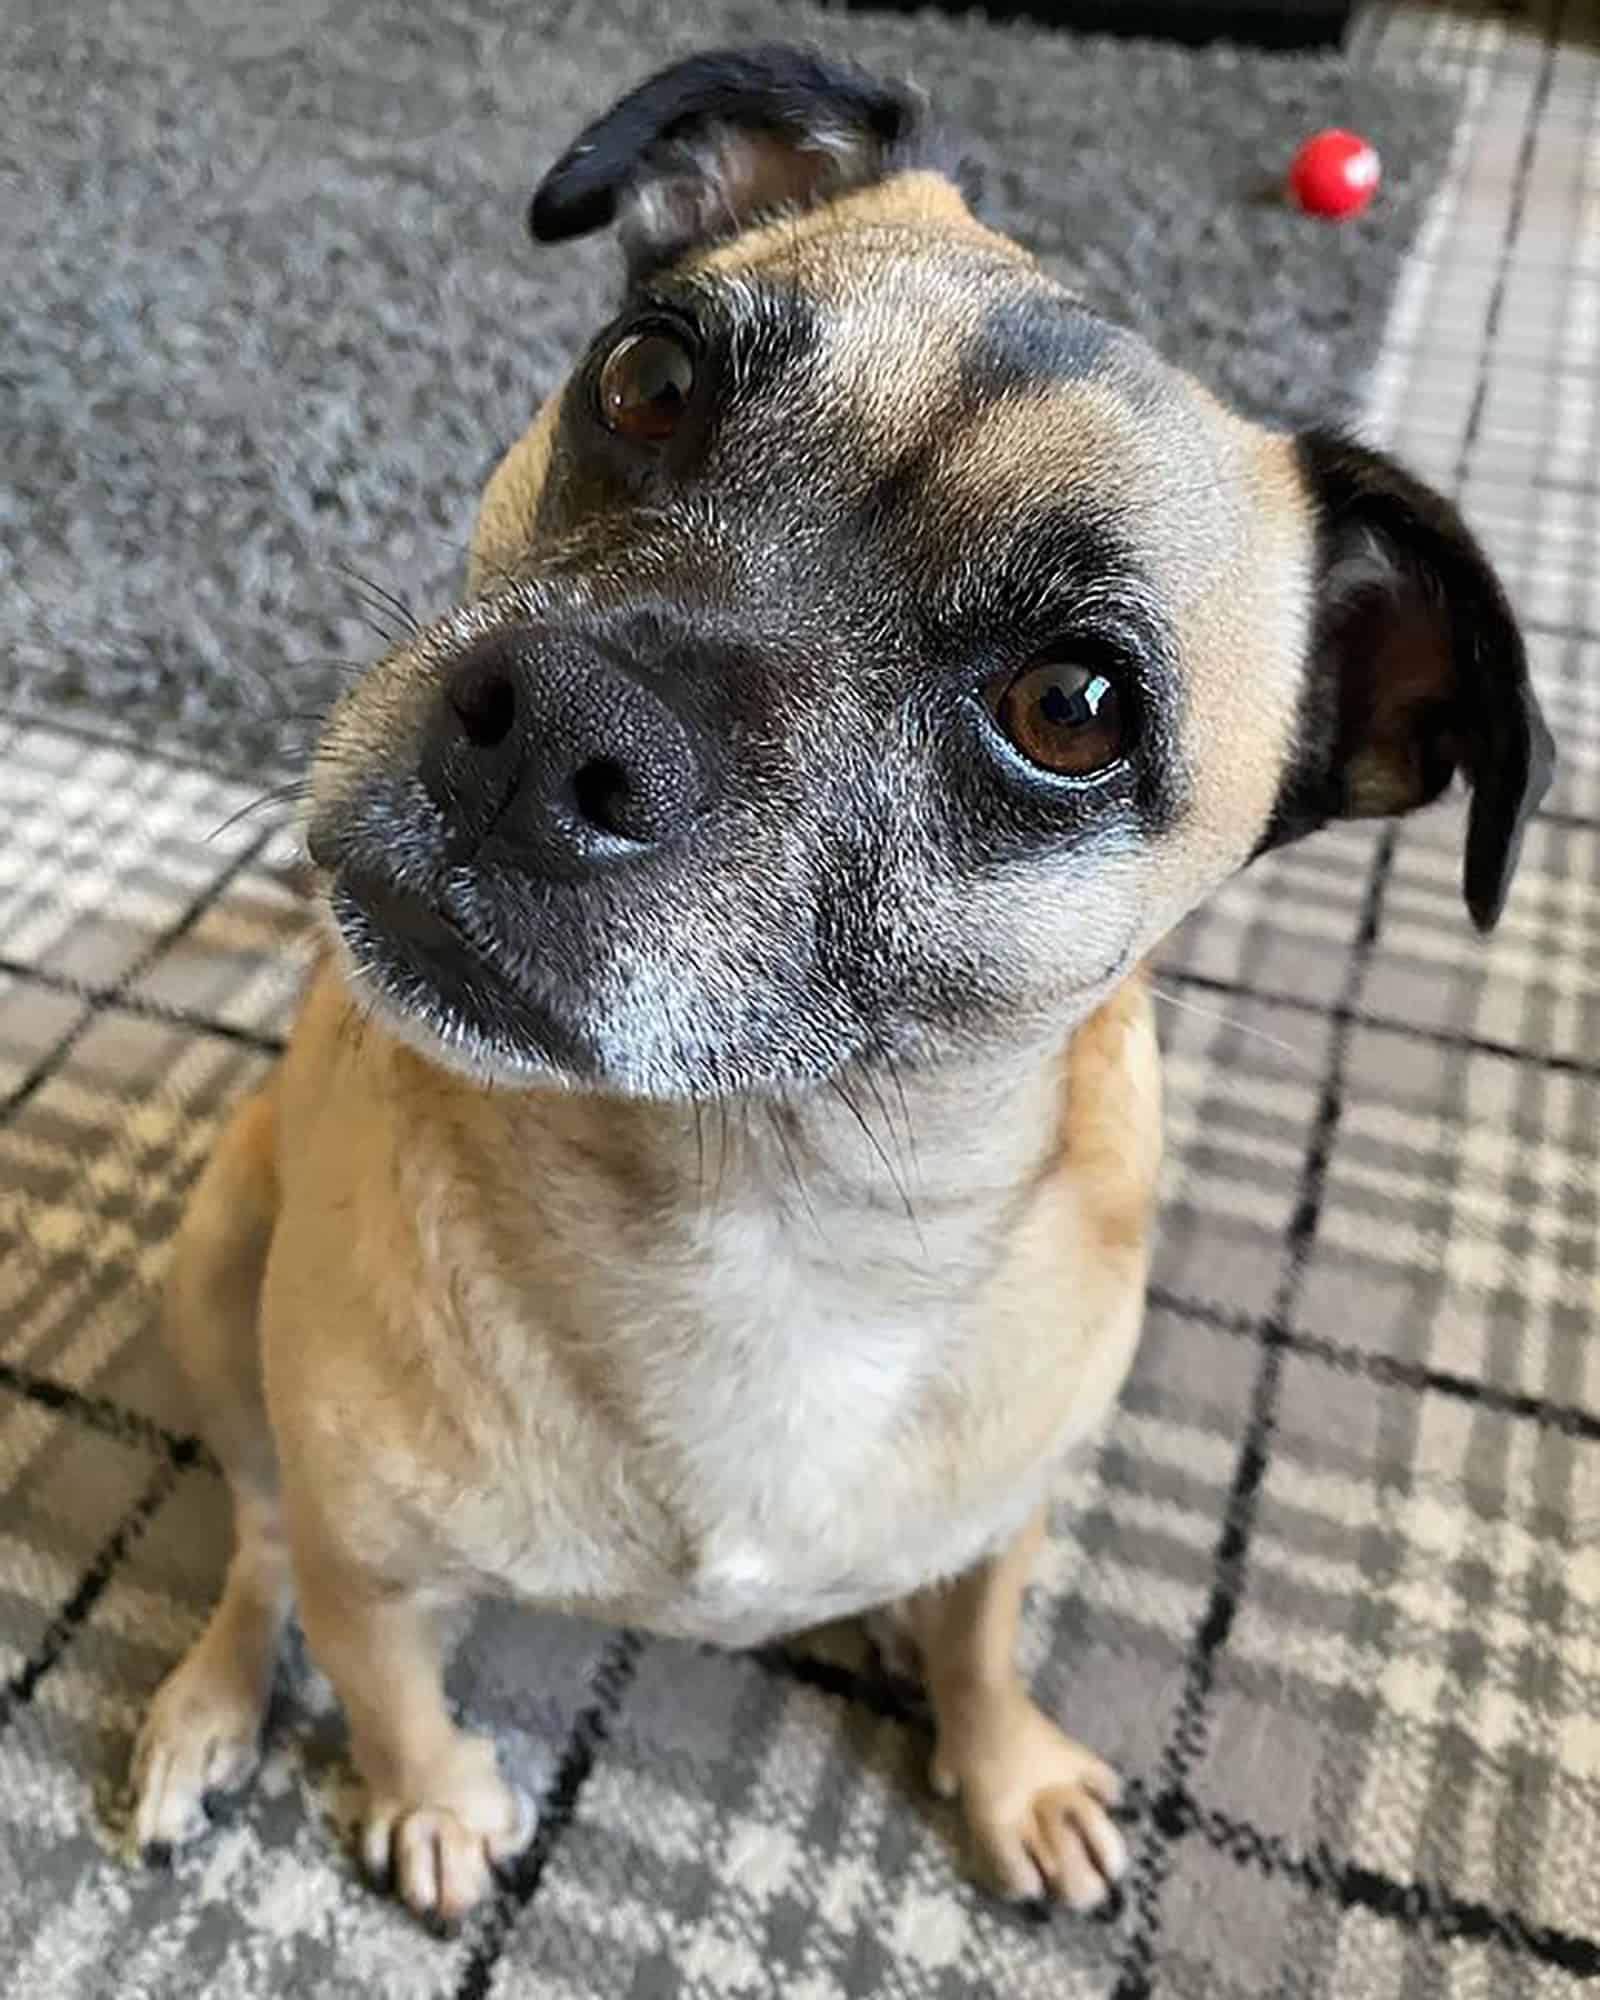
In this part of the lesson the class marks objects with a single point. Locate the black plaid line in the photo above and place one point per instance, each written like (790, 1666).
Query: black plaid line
(1567, 1418)
(556, 1812)
(100, 1413)
(875, 1693)
(107, 999)
(24, 1684)
(1186, 1738)
(1135, 1976)
(197, 907)
(1416, 1905)
(1516, 210)
(1360, 1017)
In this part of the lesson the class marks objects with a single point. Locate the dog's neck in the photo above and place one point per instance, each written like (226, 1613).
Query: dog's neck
(927, 1147)
(917, 1163)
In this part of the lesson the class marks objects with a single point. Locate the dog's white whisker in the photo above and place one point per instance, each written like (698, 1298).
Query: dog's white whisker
(1301, 1056)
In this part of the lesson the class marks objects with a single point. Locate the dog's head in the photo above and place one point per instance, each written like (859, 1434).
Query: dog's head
(869, 649)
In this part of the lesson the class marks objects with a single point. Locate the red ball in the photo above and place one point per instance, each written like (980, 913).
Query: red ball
(1335, 174)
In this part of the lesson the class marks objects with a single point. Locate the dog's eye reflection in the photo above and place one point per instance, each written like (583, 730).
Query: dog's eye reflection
(1064, 716)
(644, 386)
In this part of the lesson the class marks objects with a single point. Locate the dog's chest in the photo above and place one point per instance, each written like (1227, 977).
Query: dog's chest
(773, 1371)
(785, 1396)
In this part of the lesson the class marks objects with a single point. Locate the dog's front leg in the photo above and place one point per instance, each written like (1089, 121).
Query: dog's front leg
(1035, 1802)
(438, 1816)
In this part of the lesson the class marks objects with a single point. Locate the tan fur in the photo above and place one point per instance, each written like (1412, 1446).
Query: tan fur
(509, 504)
(596, 1353)
(673, 1317)
(921, 201)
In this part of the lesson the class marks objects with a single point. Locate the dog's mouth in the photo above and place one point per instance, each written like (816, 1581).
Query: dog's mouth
(398, 939)
(421, 966)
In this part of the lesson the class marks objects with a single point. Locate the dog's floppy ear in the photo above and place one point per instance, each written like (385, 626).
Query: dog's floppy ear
(1417, 671)
(709, 145)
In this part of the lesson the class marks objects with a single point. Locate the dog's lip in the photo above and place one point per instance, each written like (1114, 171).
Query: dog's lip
(402, 940)
(399, 913)
(409, 927)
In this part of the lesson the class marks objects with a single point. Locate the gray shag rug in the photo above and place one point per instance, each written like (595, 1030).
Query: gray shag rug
(269, 306)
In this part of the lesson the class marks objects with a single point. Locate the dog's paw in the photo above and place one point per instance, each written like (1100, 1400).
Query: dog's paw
(439, 1847)
(200, 1742)
(1036, 1804)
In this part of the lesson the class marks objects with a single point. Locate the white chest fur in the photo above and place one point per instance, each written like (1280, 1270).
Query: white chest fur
(793, 1391)
(835, 1402)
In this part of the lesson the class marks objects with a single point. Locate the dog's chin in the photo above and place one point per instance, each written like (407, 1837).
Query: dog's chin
(435, 989)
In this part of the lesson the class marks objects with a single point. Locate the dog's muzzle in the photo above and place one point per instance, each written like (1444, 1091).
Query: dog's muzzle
(478, 843)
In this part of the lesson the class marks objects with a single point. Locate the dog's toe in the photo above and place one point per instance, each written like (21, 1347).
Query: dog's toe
(1037, 1806)
(442, 1851)
(1076, 1846)
(200, 1742)
(440, 1866)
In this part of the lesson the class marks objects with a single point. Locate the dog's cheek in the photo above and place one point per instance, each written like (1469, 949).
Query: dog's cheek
(932, 947)
(1053, 929)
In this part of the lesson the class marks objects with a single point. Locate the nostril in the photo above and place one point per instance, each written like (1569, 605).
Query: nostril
(537, 739)
(486, 706)
(603, 796)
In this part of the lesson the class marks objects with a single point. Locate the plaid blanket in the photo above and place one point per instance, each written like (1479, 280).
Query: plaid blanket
(1329, 1592)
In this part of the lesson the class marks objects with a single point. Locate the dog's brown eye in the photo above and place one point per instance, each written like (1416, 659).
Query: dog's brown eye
(644, 387)
(1064, 716)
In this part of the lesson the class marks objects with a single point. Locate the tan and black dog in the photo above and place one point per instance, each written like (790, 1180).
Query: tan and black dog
(709, 1186)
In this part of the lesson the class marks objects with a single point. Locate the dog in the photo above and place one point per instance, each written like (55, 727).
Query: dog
(709, 1186)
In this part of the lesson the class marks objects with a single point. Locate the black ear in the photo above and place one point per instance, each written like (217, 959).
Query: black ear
(1417, 671)
(705, 148)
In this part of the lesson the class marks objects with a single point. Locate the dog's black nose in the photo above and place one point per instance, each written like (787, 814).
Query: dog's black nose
(555, 747)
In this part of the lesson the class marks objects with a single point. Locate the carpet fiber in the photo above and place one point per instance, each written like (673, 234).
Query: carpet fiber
(270, 308)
